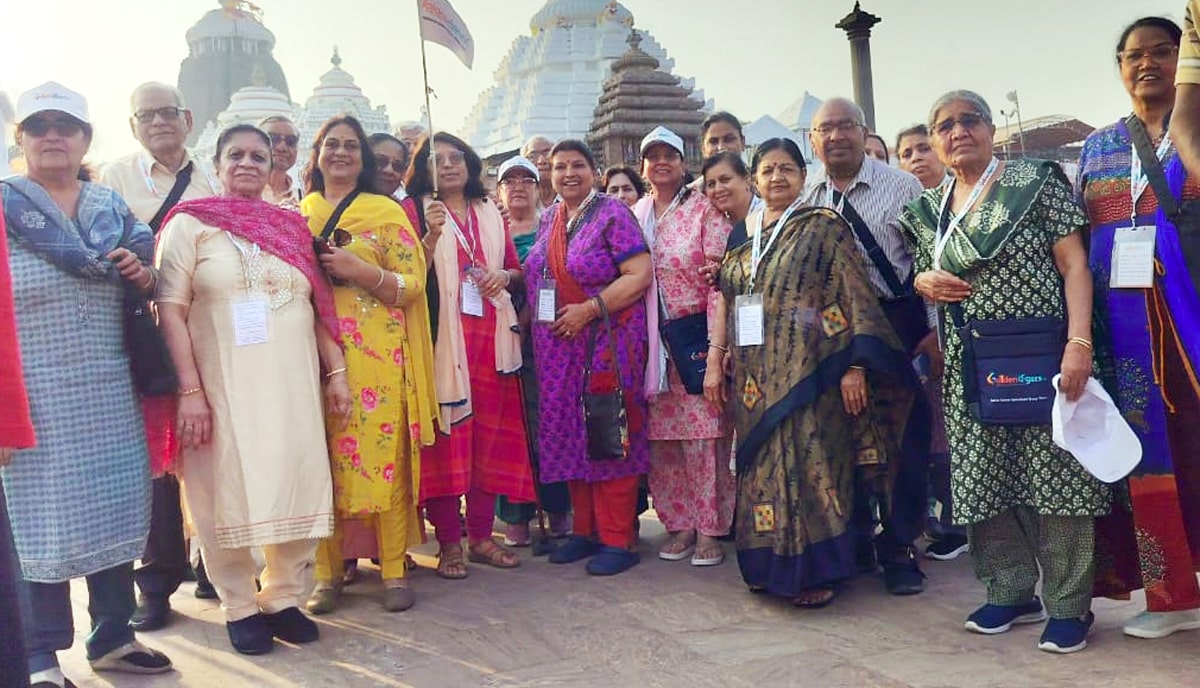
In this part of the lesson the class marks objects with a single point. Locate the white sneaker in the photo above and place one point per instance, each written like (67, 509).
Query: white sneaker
(1162, 624)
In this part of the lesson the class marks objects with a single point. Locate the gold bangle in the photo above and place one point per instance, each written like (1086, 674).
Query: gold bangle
(379, 284)
(1085, 343)
(190, 391)
(719, 347)
(335, 371)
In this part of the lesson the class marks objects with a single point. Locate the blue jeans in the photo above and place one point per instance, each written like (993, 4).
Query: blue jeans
(13, 671)
(49, 626)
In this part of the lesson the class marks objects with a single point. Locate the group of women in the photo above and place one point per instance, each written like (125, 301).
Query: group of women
(341, 369)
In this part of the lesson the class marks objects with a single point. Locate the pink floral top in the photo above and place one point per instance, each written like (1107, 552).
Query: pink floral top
(686, 238)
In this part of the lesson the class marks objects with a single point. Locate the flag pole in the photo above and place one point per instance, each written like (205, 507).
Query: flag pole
(428, 109)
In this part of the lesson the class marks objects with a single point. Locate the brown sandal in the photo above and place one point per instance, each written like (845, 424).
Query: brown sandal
(488, 552)
(451, 564)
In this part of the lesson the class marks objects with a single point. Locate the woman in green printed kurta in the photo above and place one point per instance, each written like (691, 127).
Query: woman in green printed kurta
(1017, 253)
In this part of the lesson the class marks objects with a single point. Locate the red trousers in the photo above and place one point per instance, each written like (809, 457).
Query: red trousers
(607, 508)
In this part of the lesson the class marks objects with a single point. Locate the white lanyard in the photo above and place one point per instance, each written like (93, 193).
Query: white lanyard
(758, 251)
(829, 191)
(976, 192)
(458, 233)
(1138, 179)
(148, 177)
(248, 255)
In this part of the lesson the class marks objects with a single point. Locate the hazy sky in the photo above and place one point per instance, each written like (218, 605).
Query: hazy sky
(752, 57)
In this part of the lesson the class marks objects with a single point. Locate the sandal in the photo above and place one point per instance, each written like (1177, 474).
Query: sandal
(686, 539)
(488, 552)
(451, 564)
(815, 597)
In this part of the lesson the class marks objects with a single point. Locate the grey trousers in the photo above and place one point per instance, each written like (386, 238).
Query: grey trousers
(1008, 548)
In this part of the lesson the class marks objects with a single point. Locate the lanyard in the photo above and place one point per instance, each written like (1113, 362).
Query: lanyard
(829, 192)
(758, 251)
(458, 233)
(248, 255)
(976, 192)
(674, 204)
(148, 177)
(1138, 179)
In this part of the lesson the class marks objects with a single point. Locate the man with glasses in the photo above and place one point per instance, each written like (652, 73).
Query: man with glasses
(283, 186)
(870, 195)
(537, 151)
(152, 181)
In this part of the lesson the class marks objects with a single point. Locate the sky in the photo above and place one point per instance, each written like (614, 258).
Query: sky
(752, 57)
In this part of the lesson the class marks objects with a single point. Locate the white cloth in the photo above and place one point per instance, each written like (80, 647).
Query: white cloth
(1094, 432)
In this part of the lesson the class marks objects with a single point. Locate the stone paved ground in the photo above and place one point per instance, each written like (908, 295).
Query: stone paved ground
(660, 625)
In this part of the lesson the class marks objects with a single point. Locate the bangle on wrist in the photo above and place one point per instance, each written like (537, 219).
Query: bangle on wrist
(379, 284)
(335, 371)
(401, 287)
(719, 347)
(190, 391)
(1085, 343)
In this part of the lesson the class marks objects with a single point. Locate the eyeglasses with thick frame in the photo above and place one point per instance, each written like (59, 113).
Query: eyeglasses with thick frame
(168, 114)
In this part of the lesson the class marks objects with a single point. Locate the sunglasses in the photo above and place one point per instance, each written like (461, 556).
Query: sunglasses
(65, 128)
(290, 139)
(969, 120)
(169, 114)
(397, 165)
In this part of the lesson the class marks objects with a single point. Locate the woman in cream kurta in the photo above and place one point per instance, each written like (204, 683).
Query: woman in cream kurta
(266, 402)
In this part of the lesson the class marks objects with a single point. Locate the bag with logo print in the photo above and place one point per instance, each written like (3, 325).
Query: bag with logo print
(1008, 367)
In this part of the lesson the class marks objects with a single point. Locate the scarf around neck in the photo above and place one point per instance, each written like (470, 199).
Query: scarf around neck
(280, 232)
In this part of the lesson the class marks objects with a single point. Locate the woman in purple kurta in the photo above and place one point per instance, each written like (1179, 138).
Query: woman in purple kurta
(592, 248)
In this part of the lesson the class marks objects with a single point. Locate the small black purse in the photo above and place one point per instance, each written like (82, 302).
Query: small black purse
(687, 344)
(605, 417)
(149, 359)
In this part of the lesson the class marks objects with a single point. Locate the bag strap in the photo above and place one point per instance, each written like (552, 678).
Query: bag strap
(182, 180)
(874, 250)
(606, 323)
(1152, 166)
(336, 217)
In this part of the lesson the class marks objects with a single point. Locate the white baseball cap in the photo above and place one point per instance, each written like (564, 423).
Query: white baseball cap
(663, 135)
(516, 162)
(1094, 432)
(52, 96)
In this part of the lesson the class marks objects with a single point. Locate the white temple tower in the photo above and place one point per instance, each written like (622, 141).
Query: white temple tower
(550, 81)
(337, 94)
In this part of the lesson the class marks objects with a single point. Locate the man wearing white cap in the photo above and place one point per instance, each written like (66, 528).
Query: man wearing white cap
(78, 500)
(152, 181)
(870, 195)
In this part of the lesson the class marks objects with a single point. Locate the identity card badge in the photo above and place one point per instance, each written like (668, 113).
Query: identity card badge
(749, 323)
(547, 303)
(472, 300)
(1133, 258)
(250, 321)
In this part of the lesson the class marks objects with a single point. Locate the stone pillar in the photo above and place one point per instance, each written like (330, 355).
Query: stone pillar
(857, 26)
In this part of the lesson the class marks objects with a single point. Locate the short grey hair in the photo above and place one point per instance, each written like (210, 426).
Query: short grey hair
(527, 148)
(266, 121)
(175, 93)
(853, 107)
(964, 95)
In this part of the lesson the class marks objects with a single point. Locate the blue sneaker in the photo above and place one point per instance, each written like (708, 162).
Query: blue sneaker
(610, 561)
(575, 548)
(991, 619)
(1064, 636)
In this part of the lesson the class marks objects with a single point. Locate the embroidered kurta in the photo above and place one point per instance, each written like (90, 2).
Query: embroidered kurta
(267, 462)
(1142, 350)
(608, 235)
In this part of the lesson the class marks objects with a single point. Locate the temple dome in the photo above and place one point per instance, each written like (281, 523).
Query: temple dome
(230, 22)
(337, 85)
(249, 105)
(337, 94)
(565, 12)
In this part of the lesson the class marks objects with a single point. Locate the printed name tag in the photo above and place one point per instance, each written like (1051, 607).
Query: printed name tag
(250, 321)
(472, 301)
(547, 303)
(749, 322)
(1133, 258)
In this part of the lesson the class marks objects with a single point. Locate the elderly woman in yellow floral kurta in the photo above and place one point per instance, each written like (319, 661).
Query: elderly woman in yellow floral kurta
(378, 269)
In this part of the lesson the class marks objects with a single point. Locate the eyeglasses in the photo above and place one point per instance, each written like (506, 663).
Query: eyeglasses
(169, 114)
(968, 120)
(845, 125)
(397, 165)
(290, 139)
(1159, 53)
(518, 181)
(38, 128)
(454, 158)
